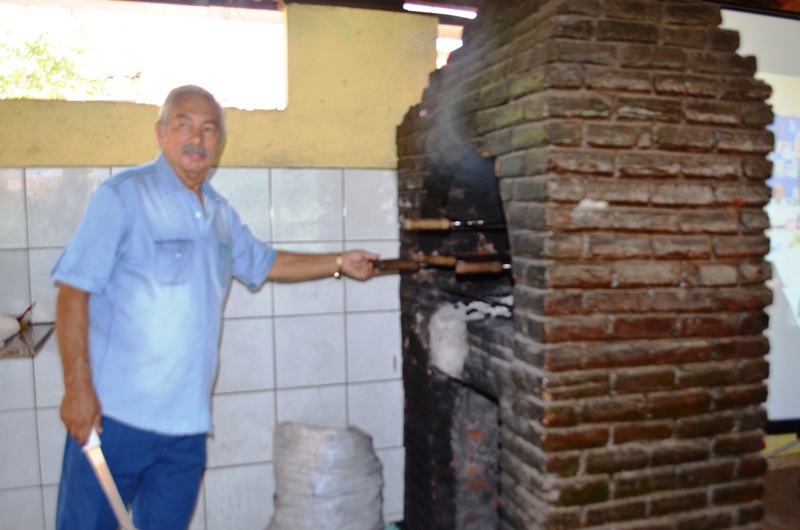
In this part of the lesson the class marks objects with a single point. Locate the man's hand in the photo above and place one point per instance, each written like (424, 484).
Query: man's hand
(80, 411)
(359, 264)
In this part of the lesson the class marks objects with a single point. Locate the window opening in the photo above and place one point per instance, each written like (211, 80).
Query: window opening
(90, 50)
(448, 40)
(99, 50)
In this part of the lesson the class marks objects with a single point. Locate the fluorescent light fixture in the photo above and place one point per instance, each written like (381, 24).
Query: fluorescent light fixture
(439, 10)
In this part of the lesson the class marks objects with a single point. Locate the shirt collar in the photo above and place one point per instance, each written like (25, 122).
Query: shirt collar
(172, 182)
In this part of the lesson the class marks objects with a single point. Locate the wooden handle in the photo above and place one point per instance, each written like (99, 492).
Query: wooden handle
(439, 261)
(400, 265)
(480, 267)
(461, 267)
(426, 224)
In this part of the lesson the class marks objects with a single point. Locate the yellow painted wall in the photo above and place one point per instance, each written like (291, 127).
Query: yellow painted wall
(352, 73)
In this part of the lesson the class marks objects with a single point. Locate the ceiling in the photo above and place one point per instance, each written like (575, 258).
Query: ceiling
(383, 5)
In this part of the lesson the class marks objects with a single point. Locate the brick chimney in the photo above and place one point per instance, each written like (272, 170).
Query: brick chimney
(630, 142)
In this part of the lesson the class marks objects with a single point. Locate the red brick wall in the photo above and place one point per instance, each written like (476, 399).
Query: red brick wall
(635, 386)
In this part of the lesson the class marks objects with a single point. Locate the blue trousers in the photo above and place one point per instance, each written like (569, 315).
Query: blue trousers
(158, 476)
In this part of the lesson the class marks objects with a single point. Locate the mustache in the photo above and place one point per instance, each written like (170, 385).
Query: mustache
(194, 148)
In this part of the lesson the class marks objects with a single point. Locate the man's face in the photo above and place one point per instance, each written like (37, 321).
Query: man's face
(191, 138)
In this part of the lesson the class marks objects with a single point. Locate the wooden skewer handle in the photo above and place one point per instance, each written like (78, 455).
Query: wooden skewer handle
(427, 224)
(399, 265)
(480, 267)
(461, 267)
(440, 261)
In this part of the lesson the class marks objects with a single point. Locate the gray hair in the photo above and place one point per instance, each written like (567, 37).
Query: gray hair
(176, 93)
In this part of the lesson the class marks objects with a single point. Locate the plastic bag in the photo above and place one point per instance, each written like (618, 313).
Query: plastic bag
(326, 478)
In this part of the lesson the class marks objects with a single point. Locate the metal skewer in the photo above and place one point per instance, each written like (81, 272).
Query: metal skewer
(442, 224)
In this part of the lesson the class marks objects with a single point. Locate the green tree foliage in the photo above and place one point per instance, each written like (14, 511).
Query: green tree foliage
(37, 68)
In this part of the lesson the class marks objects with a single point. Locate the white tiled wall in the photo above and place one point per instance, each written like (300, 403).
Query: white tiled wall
(324, 352)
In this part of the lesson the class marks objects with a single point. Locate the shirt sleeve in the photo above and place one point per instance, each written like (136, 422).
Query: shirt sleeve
(88, 260)
(252, 258)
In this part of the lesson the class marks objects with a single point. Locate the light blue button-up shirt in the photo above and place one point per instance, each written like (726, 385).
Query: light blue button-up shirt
(158, 265)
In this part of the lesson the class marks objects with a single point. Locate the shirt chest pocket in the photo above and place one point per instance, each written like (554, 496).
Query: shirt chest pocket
(174, 261)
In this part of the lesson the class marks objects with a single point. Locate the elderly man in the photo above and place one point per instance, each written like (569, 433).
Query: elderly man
(141, 291)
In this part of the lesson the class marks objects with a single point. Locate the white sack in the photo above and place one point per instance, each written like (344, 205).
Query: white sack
(326, 478)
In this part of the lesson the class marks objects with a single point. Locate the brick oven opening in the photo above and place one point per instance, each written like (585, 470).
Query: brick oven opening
(454, 321)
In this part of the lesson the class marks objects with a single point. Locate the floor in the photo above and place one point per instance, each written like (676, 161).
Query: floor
(782, 493)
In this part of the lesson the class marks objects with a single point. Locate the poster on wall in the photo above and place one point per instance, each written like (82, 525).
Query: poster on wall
(786, 156)
(783, 211)
(767, 37)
